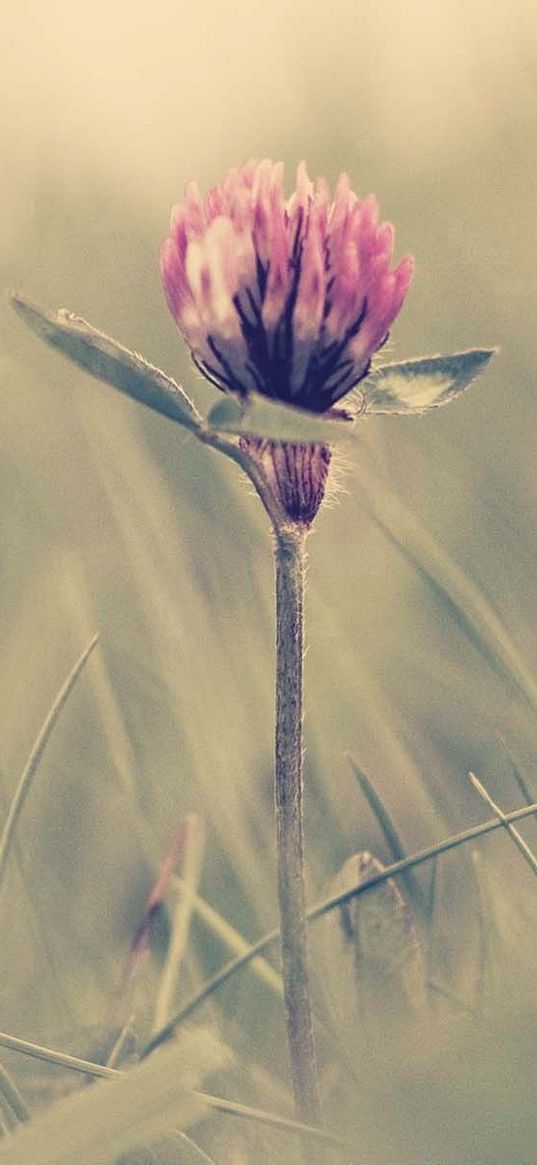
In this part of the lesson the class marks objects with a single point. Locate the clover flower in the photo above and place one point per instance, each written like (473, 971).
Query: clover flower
(289, 298)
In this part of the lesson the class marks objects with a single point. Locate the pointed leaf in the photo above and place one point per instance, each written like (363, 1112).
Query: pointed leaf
(368, 957)
(261, 416)
(107, 360)
(380, 931)
(418, 385)
(409, 881)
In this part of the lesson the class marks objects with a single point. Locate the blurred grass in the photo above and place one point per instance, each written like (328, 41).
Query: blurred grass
(113, 520)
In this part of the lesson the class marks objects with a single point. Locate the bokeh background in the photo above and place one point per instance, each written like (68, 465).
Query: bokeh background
(422, 600)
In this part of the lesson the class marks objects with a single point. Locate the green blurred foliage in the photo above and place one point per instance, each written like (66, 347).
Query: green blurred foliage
(114, 520)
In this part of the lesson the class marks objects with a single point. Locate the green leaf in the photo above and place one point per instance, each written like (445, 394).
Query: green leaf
(418, 385)
(379, 933)
(260, 416)
(98, 1124)
(107, 360)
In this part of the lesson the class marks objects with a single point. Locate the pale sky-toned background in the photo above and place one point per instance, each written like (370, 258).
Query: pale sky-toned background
(146, 92)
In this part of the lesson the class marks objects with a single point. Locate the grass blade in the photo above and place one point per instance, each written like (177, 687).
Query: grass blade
(122, 754)
(393, 871)
(216, 1103)
(122, 1043)
(521, 845)
(231, 938)
(192, 862)
(12, 1096)
(61, 1059)
(154, 905)
(391, 835)
(23, 787)
(195, 1150)
(97, 1125)
(233, 1108)
(515, 767)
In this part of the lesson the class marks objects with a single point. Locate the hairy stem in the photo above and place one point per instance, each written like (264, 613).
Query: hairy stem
(290, 562)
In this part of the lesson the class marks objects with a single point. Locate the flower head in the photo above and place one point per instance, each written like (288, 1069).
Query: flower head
(287, 297)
